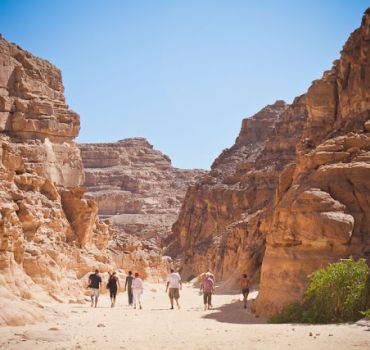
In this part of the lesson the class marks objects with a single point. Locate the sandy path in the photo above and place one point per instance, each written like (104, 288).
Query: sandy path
(228, 326)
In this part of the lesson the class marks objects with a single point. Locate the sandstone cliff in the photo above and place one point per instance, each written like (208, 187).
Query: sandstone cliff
(222, 223)
(322, 206)
(139, 192)
(299, 190)
(50, 236)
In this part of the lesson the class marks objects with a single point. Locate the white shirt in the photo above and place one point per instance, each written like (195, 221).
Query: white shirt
(137, 283)
(174, 280)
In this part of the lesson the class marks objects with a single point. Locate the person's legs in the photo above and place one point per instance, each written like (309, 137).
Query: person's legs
(137, 299)
(205, 300)
(245, 292)
(134, 297)
(113, 294)
(96, 297)
(177, 297)
(171, 296)
(209, 300)
(246, 298)
(130, 296)
(111, 297)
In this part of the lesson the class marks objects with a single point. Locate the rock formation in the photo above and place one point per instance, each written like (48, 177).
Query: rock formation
(139, 192)
(322, 207)
(222, 223)
(299, 190)
(50, 236)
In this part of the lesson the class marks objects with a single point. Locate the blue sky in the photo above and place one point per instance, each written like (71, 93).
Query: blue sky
(183, 74)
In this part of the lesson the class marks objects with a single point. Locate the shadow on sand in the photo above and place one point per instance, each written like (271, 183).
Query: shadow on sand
(365, 323)
(233, 313)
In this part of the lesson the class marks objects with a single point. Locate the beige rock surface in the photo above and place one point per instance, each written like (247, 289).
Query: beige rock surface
(222, 224)
(293, 198)
(140, 193)
(324, 214)
(50, 236)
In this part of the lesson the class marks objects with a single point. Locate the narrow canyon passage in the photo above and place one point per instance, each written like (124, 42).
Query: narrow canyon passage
(228, 325)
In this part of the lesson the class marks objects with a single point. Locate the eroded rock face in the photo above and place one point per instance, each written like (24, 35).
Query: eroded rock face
(302, 186)
(140, 193)
(50, 236)
(324, 213)
(34, 113)
(222, 224)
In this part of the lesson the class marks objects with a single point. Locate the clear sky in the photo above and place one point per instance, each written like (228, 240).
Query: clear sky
(183, 74)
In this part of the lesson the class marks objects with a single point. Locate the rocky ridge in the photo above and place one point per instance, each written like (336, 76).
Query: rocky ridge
(137, 190)
(295, 198)
(50, 234)
(222, 224)
(322, 211)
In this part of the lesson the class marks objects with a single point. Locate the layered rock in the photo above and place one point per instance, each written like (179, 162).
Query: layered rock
(139, 191)
(303, 187)
(50, 235)
(322, 209)
(222, 224)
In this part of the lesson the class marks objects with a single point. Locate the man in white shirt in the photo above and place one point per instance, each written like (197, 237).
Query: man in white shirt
(173, 286)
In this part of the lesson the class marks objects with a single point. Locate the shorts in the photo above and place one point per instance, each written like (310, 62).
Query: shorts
(95, 292)
(245, 291)
(207, 298)
(113, 292)
(174, 293)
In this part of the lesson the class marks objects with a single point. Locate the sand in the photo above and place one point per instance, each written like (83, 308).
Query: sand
(227, 326)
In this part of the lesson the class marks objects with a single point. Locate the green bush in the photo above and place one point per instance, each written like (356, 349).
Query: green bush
(337, 293)
(366, 313)
(293, 313)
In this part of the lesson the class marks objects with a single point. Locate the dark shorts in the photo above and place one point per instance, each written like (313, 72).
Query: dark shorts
(245, 291)
(207, 298)
(174, 293)
(113, 292)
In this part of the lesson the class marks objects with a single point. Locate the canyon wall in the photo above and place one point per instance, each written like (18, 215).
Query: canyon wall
(222, 224)
(50, 235)
(293, 197)
(322, 208)
(138, 192)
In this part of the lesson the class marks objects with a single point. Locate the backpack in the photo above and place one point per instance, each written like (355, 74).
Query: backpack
(208, 285)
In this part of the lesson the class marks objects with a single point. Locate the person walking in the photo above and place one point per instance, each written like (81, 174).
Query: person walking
(244, 286)
(173, 287)
(113, 284)
(207, 287)
(95, 283)
(137, 290)
(128, 287)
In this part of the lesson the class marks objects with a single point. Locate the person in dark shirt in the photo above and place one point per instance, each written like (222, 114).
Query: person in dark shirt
(128, 287)
(95, 283)
(113, 284)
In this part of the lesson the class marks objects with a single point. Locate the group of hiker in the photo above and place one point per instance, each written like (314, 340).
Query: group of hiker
(135, 287)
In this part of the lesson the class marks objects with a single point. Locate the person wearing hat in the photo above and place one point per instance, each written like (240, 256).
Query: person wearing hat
(207, 287)
(137, 290)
